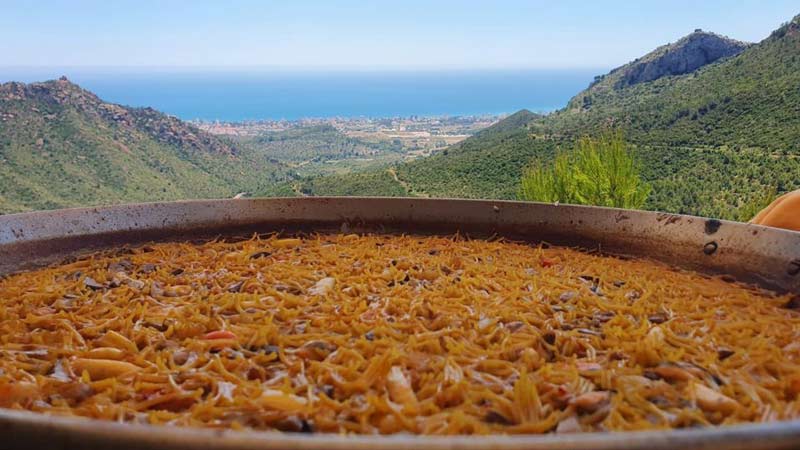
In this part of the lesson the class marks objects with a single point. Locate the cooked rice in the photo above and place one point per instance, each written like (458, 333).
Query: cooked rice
(386, 334)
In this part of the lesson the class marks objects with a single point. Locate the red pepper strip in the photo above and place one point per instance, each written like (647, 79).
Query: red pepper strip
(220, 334)
(547, 262)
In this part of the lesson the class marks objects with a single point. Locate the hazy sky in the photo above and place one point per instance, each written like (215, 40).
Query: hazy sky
(366, 34)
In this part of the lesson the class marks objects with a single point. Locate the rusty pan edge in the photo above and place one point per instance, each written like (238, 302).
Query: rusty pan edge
(23, 429)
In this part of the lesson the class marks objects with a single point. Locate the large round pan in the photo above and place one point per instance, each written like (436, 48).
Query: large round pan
(768, 257)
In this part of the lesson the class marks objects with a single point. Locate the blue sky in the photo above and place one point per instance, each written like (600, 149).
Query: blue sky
(407, 34)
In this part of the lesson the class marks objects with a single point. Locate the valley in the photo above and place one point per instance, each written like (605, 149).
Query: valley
(711, 139)
(343, 145)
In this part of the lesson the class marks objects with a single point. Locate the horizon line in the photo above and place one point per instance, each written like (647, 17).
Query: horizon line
(257, 68)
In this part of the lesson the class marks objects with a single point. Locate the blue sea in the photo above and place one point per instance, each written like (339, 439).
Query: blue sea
(229, 95)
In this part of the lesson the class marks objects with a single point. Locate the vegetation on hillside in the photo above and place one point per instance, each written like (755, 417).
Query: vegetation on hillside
(370, 183)
(62, 146)
(599, 171)
(313, 150)
(750, 100)
(316, 143)
(718, 141)
(755, 203)
(710, 142)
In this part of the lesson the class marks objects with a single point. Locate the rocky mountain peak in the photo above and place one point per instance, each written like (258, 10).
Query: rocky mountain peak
(790, 28)
(687, 55)
(61, 95)
(60, 91)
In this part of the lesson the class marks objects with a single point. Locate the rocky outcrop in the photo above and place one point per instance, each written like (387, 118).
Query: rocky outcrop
(171, 130)
(687, 55)
(127, 121)
(791, 28)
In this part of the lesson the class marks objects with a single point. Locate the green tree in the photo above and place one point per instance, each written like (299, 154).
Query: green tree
(550, 184)
(600, 171)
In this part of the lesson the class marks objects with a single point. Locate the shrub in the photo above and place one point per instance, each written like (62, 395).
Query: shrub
(598, 171)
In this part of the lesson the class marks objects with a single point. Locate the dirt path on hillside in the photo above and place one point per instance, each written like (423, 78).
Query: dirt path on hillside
(405, 185)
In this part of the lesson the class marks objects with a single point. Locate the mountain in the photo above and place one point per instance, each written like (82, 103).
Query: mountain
(716, 122)
(687, 55)
(62, 146)
(750, 99)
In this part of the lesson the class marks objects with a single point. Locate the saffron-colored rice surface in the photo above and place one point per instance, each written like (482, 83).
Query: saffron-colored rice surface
(386, 334)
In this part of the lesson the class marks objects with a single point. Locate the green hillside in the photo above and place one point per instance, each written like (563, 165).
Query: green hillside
(709, 139)
(310, 150)
(62, 146)
(314, 143)
(748, 100)
(715, 123)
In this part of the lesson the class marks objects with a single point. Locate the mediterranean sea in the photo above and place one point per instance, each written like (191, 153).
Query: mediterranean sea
(240, 95)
